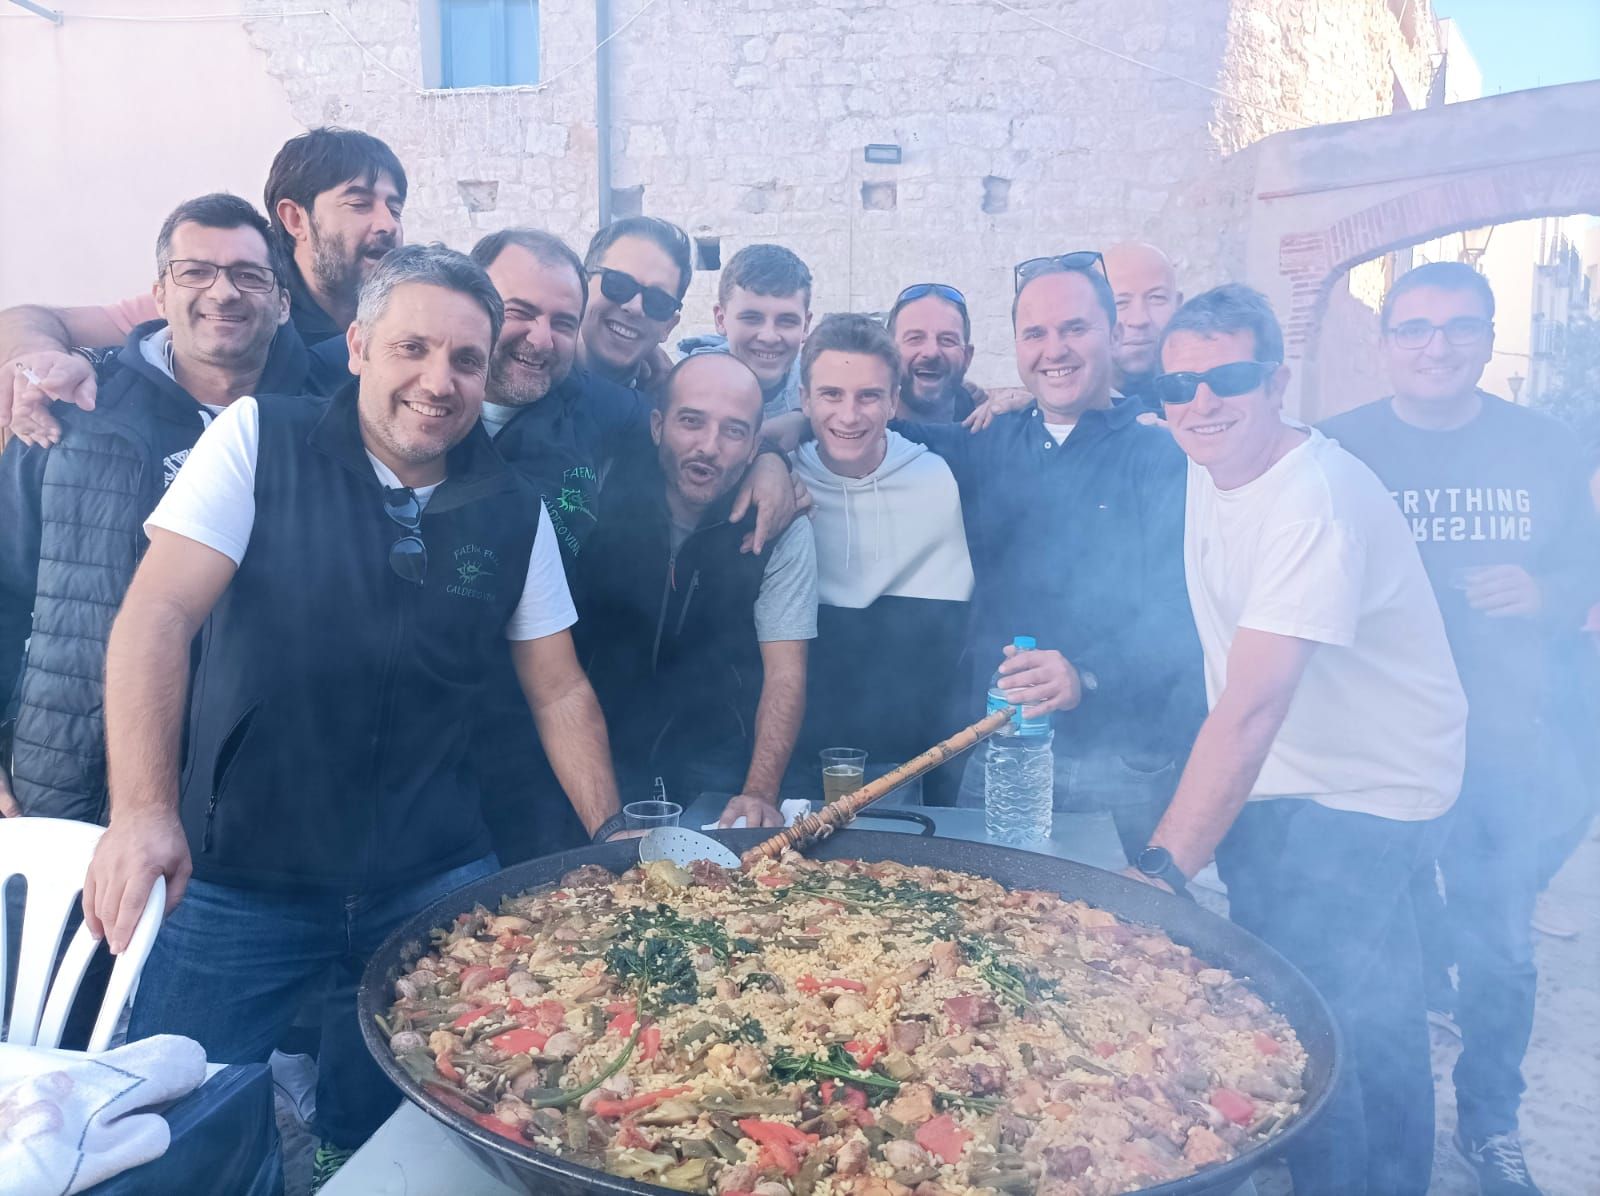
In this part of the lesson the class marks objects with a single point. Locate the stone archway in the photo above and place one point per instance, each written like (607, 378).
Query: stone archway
(1331, 197)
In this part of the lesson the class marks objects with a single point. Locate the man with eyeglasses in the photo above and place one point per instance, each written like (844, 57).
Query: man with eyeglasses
(1074, 516)
(1495, 498)
(357, 564)
(639, 269)
(334, 198)
(1336, 731)
(932, 329)
(72, 511)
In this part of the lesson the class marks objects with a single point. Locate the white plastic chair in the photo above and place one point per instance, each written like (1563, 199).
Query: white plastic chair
(53, 855)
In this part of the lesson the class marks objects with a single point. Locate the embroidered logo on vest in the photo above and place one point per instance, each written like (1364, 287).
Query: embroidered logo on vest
(170, 464)
(475, 569)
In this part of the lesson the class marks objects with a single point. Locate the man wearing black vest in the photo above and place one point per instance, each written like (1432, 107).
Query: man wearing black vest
(697, 650)
(357, 564)
(72, 512)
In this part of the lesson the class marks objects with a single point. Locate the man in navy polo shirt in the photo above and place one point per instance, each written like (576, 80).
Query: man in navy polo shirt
(357, 564)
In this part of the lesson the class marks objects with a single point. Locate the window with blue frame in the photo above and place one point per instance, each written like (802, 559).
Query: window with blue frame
(488, 43)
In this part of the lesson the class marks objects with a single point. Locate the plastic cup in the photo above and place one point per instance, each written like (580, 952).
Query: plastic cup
(644, 815)
(843, 771)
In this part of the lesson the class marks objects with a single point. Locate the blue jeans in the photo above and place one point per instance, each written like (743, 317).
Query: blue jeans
(231, 967)
(1331, 891)
(1512, 799)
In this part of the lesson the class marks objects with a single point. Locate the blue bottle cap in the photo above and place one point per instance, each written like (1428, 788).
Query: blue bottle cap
(1024, 643)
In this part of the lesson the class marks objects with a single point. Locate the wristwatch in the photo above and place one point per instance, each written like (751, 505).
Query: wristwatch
(1156, 863)
(608, 828)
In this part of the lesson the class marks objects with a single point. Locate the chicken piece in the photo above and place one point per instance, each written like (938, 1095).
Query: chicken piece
(852, 1158)
(1066, 1162)
(1202, 1147)
(946, 959)
(563, 1044)
(905, 1156)
(589, 874)
(913, 1106)
(523, 986)
(848, 1005)
(907, 1036)
(738, 1178)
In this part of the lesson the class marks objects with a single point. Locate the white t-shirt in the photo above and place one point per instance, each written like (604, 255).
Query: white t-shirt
(212, 501)
(1315, 549)
(1059, 431)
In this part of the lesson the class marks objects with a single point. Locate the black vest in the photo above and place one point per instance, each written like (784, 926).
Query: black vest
(669, 643)
(99, 485)
(332, 711)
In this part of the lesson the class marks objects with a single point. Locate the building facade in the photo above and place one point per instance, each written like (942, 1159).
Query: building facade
(1017, 128)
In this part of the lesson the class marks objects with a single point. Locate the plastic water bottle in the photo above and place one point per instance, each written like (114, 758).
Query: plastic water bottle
(1018, 771)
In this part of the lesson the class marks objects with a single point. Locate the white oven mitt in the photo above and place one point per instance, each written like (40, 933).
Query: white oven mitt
(69, 1120)
(795, 807)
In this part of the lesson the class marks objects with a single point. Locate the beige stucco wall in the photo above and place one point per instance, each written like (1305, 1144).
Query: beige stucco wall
(741, 119)
(106, 125)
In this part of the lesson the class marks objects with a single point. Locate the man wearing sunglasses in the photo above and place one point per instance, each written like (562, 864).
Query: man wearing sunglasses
(358, 564)
(639, 270)
(1495, 498)
(1074, 516)
(1336, 731)
(933, 332)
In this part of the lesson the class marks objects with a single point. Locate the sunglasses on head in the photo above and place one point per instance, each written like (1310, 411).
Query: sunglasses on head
(1081, 259)
(620, 287)
(1226, 381)
(919, 290)
(408, 556)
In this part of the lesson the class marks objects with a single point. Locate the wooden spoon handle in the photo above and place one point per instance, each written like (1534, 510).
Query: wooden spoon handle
(836, 814)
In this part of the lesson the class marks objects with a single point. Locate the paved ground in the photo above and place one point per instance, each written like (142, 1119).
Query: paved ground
(1560, 1114)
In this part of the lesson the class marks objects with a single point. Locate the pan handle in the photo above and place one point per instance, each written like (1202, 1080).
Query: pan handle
(927, 824)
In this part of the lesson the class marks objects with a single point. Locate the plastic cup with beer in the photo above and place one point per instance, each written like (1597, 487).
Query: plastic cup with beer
(844, 770)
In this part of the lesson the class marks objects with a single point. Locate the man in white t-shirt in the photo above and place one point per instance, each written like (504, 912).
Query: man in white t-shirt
(357, 564)
(1336, 732)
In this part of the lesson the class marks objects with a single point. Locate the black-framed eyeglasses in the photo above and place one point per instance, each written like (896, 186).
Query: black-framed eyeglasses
(1080, 259)
(620, 287)
(920, 290)
(198, 275)
(1226, 381)
(1460, 332)
(408, 556)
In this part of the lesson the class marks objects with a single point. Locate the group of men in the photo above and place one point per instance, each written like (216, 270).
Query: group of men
(362, 566)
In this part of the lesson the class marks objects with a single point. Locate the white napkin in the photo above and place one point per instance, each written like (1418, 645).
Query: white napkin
(795, 807)
(69, 1120)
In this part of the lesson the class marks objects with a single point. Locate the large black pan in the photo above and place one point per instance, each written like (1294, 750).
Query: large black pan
(1212, 938)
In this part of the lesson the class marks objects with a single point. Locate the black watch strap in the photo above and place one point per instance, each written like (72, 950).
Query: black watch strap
(608, 828)
(1156, 863)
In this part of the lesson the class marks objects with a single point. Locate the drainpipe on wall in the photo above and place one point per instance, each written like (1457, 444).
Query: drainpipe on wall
(602, 106)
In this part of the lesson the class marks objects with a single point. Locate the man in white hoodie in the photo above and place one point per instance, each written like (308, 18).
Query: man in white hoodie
(893, 574)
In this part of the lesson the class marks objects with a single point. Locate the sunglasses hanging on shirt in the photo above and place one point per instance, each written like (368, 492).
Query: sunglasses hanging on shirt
(1226, 381)
(408, 556)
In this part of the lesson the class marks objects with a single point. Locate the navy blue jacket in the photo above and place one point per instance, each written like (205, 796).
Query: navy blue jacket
(1080, 545)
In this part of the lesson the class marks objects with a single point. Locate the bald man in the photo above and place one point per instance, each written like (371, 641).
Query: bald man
(1146, 289)
(680, 631)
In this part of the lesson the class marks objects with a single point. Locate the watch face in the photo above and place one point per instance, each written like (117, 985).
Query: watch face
(1154, 860)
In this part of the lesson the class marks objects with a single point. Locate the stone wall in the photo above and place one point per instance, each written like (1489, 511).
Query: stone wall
(746, 120)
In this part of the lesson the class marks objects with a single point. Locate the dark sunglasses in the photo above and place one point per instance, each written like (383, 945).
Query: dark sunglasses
(408, 556)
(1082, 259)
(620, 288)
(1226, 381)
(918, 290)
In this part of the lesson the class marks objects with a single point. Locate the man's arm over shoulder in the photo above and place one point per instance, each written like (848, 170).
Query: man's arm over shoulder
(959, 447)
(37, 368)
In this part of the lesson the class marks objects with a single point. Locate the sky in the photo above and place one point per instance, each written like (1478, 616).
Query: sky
(1529, 43)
